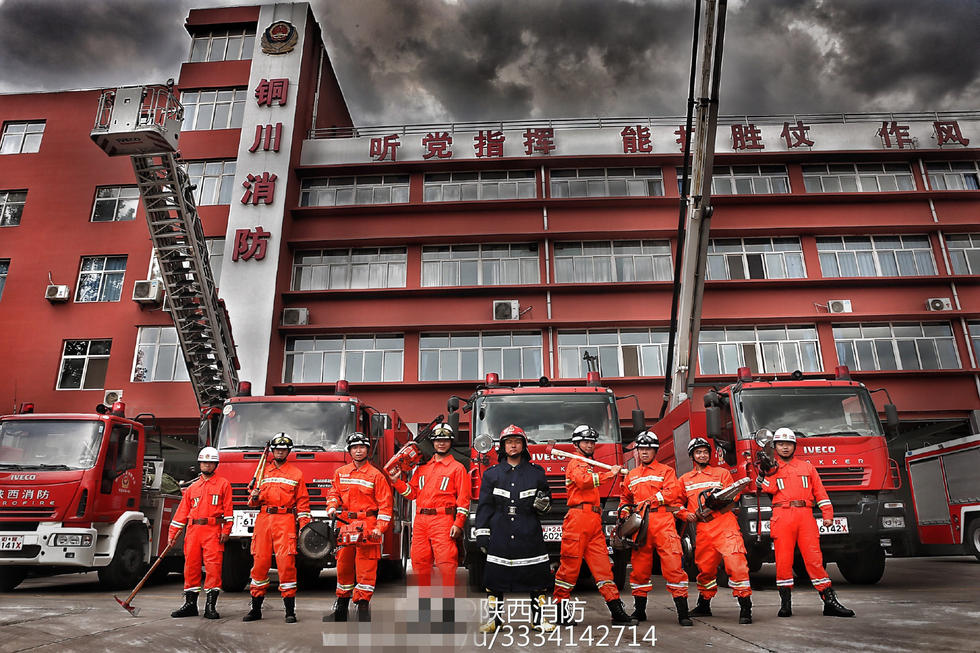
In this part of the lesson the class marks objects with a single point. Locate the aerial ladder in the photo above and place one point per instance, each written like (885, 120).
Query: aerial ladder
(143, 122)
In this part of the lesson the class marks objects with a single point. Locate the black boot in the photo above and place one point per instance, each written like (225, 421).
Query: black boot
(786, 602)
(290, 603)
(680, 602)
(702, 609)
(256, 612)
(339, 610)
(211, 600)
(745, 613)
(831, 606)
(189, 609)
(639, 608)
(618, 613)
(363, 610)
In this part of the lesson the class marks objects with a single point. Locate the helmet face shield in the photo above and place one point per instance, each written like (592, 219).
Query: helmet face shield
(584, 432)
(696, 443)
(357, 439)
(647, 440)
(281, 441)
(442, 431)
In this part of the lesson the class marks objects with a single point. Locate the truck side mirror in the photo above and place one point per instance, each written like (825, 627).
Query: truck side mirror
(379, 422)
(639, 422)
(454, 418)
(712, 422)
(128, 451)
(891, 417)
(452, 405)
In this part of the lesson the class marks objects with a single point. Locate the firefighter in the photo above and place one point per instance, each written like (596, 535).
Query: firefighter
(652, 486)
(718, 537)
(514, 494)
(359, 495)
(282, 500)
(206, 510)
(582, 536)
(795, 487)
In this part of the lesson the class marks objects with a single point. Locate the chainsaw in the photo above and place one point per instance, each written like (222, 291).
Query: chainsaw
(410, 456)
(719, 500)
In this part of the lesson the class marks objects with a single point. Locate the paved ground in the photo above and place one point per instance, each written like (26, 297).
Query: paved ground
(921, 604)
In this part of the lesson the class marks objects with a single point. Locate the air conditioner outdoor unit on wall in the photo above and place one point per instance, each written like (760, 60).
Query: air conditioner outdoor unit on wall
(506, 309)
(149, 291)
(939, 304)
(112, 396)
(57, 293)
(839, 305)
(295, 316)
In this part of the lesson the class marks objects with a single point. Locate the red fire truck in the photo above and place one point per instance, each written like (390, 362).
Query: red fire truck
(80, 492)
(946, 492)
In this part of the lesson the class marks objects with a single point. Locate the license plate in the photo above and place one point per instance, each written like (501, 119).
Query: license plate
(11, 542)
(839, 526)
(244, 522)
(552, 533)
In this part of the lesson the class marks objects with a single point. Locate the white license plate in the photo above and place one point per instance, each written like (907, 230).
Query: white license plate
(552, 533)
(839, 527)
(11, 542)
(244, 522)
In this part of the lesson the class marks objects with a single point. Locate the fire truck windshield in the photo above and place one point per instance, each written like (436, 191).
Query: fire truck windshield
(49, 444)
(811, 412)
(547, 417)
(319, 425)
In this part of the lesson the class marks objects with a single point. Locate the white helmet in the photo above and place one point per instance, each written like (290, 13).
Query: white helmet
(208, 455)
(784, 434)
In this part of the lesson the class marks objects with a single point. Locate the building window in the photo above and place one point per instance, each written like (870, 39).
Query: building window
(607, 182)
(215, 181)
(745, 180)
(471, 356)
(359, 358)
(480, 265)
(213, 108)
(11, 207)
(953, 175)
(216, 256)
(115, 203)
(974, 328)
(346, 191)
(341, 269)
(101, 279)
(621, 260)
(755, 258)
(84, 364)
(486, 185)
(769, 349)
(621, 352)
(223, 44)
(910, 346)
(4, 268)
(21, 137)
(857, 177)
(875, 256)
(158, 356)
(964, 253)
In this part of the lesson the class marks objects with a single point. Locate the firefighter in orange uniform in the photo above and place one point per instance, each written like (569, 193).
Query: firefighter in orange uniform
(359, 495)
(795, 488)
(718, 537)
(653, 486)
(283, 500)
(582, 536)
(206, 511)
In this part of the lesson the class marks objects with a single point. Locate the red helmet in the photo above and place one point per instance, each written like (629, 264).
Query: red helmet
(513, 431)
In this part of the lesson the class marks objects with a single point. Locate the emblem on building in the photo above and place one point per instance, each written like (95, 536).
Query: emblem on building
(279, 38)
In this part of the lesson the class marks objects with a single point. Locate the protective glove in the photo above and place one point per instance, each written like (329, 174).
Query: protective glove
(331, 511)
(542, 502)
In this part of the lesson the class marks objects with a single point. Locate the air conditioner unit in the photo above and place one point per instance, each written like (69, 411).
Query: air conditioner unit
(507, 309)
(148, 291)
(939, 304)
(111, 397)
(57, 293)
(295, 316)
(839, 305)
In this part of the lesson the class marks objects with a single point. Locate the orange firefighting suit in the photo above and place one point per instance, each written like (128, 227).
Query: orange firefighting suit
(441, 491)
(363, 498)
(794, 487)
(718, 538)
(206, 510)
(283, 499)
(655, 484)
(582, 537)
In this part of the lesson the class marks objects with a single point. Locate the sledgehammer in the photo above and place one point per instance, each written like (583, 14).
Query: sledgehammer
(558, 452)
(132, 609)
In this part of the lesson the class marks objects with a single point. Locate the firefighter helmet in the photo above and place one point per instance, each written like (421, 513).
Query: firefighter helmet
(208, 455)
(513, 431)
(695, 443)
(355, 439)
(584, 432)
(441, 431)
(281, 441)
(647, 440)
(784, 434)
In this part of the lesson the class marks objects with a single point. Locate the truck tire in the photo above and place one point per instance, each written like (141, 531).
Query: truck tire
(127, 566)
(973, 538)
(11, 577)
(477, 562)
(620, 561)
(866, 567)
(235, 567)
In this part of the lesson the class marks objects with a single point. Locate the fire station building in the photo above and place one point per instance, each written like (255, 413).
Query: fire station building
(412, 260)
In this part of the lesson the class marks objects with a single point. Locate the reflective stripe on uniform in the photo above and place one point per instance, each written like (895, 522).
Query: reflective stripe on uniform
(646, 586)
(178, 524)
(500, 492)
(518, 562)
(595, 479)
(702, 486)
(765, 482)
(780, 484)
(709, 585)
(738, 584)
(260, 583)
(601, 583)
(193, 589)
(462, 510)
(678, 585)
(806, 481)
(527, 493)
(644, 479)
(564, 585)
(345, 588)
(407, 491)
(822, 503)
(820, 581)
(364, 588)
(287, 586)
(784, 583)
(384, 517)
(280, 479)
(304, 514)
(346, 480)
(481, 531)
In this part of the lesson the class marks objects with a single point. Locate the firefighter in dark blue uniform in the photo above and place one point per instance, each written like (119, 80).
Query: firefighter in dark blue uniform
(513, 494)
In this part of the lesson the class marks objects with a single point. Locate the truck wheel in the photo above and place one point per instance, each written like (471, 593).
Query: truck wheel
(477, 562)
(620, 561)
(973, 538)
(11, 577)
(395, 569)
(235, 567)
(866, 567)
(127, 566)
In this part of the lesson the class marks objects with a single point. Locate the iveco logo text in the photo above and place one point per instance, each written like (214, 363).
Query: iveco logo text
(23, 477)
(829, 449)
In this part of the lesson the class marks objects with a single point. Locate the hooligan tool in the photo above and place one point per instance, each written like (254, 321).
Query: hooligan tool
(132, 609)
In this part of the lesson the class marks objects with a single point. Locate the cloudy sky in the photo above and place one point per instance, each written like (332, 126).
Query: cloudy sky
(409, 61)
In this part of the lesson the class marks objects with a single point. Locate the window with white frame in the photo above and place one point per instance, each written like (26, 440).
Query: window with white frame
(21, 137)
(607, 182)
(857, 177)
(875, 256)
(974, 328)
(485, 185)
(84, 364)
(347, 191)
(101, 279)
(357, 358)
(222, 44)
(340, 269)
(471, 356)
(12, 207)
(213, 108)
(769, 349)
(755, 258)
(158, 356)
(889, 346)
(745, 180)
(621, 352)
(115, 203)
(4, 268)
(964, 253)
(618, 260)
(216, 256)
(495, 264)
(954, 175)
(215, 181)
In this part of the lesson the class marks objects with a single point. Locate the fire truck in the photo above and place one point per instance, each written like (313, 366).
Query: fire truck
(78, 493)
(946, 492)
